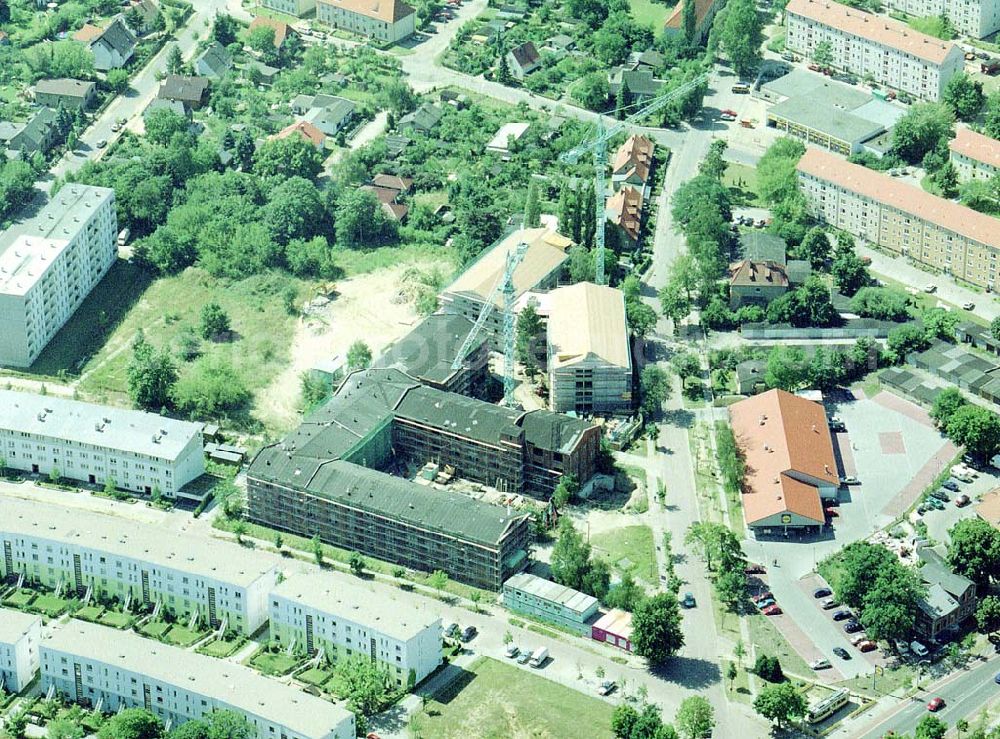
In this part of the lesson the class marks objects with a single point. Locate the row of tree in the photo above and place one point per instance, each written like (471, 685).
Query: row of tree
(695, 719)
(968, 425)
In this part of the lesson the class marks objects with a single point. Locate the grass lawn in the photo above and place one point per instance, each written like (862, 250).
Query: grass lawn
(357, 262)
(155, 629)
(20, 599)
(314, 676)
(648, 13)
(117, 620)
(740, 689)
(891, 681)
(50, 605)
(183, 637)
(274, 663)
(932, 25)
(493, 700)
(221, 648)
(631, 543)
(90, 613)
(769, 640)
(742, 182)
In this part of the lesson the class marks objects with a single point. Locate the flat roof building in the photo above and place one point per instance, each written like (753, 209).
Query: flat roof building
(315, 611)
(863, 44)
(549, 601)
(975, 156)
(819, 123)
(133, 561)
(49, 264)
(91, 443)
(902, 218)
(19, 637)
(90, 665)
(614, 628)
(507, 133)
(589, 357)
(790, 463)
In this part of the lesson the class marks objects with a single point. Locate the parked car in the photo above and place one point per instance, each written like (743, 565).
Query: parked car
(935, 704)
(829, 603)
(997, 679)
(930, 287)
(941, 494)
(116, 127)
(468, 632)
(831, 512)
(741, 88)
(858, 639)
(841, 615)
(836, 424)
(606, 687)
(950, 484)
(867, 646)
(688, 601)
(819, 664)
(935, 504)
(727, 115)
(511, 651)
(850, 480)
(523, 658)
(101, 143)
(772, 610)
(761, 596)
(852, 626)
(451, 630)
(962, 500)
(767, 602)
(754, 569)
(841, 652)
(968, 306)
(822, 592)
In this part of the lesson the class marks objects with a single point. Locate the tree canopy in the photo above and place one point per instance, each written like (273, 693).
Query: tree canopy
(656, 628)
(974, 551)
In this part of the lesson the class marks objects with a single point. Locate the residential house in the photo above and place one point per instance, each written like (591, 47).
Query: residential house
(280, 28)
(148, 13)
(560, 43)
(509, 133)
(260, 73)
(112, 47)
(387, 198)
(522, 60)
(950, 598)
(750, 376)
(304, 130)
(392, 182)
(423, 119)
(632, 164)
(213, 62)
(298, 8)
(69, 93)
(20, 634)
(790, 463)
(189, 91)
(756, 283)
(637, 85)
(329, 113)
(761, 246)
(614, 628)
(388, 21)
(704, 14)
(624, 209)
(36, 135)
(549, 601)
(975, 155)
(649, 59)
(175, 106)
(866, 44)
(588, 351)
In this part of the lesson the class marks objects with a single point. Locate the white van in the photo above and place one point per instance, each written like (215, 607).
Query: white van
(538, 657)
(918, 649)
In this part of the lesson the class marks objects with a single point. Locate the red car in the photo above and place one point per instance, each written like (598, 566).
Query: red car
(772, 610)
(761, 596)
(935, 704)
(831, 512)
(867, 646)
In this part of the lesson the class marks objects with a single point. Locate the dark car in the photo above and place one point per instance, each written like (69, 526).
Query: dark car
(841, 652)
(754, 569)
(468, 632)
(841, 615)
(941, 495)
(997, 679)
(822, 592)
(951, 484)
(852, 626)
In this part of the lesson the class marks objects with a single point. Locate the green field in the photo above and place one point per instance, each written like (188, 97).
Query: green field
(314, 676)
(649, 13)
(50, 605)
(741, 180)
(274, 663)
(116, 620)
(494, 701)
(629, 549)
(932, 25)
(768, 640)
(220, 648)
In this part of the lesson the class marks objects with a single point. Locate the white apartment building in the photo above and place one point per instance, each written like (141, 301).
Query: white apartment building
(19, 637)
(976, 18)
(902, 218)
(91, 443)
(891, 52)
(387, 21)
(113, 557)
(49, 264)
(298, 8)
(315, 611)
(975, 156)
(95, 665)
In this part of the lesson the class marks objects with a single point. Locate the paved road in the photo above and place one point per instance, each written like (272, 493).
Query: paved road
(964, 692)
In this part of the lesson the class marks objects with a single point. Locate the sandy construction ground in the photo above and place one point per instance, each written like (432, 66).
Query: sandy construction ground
(366, 307)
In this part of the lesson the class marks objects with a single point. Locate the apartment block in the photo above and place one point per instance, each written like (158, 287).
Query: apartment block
(96, 666)
(589, 357)
(85, 552)
(91, 443)
(901, 218)
(298, 8)
(388, 21)
(20, 634)
(975, 156)
(317, 611)
(975, 18)
(549, 601)
(866, 44)
(49, 264)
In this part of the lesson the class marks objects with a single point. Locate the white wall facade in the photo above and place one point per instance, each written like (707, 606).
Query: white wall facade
(20, 634)
(298, 8)
(976, 18)
(363, 25)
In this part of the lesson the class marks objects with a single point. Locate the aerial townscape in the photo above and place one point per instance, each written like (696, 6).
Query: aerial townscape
(528, 369)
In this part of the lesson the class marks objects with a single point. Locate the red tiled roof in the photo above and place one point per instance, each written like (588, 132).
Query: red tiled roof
(636, 154)
(976, 146)
(748, 273)
(626, 208)
(88, 33)
(392, 182)
(676, 18)
(280, 28)
(384, 194)
(904, 197)
(305, 130)
(390, 11)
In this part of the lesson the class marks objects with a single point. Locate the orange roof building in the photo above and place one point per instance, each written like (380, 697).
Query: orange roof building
(625, 211)
(988, 508)
(87, 33)
(306, 131)
(632, 163)
(281, 28)
(704, 12)
(863, 43)
(975, 156)
(901, 218)
(385, 20)
(790, 463)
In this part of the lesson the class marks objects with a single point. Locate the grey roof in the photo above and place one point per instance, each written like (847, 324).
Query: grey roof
(936, 602)
(568, 598)
(65, 87)
(427, 352)
(425, 117)
(817, 114)
(935, 570)
(161, 103)
(801, 82)
(798, 271)
(184, 88)
(332, 113)
(128, 537)
(458, 414)
(525, 55)
(233, 685)
(9, 130)
(548, 430)
(118, 37)
(560, 41)
(761, 246)
(879, 111)
(637, 82)
(752, 370)
(214, 61)
(14, 625)
(102, 426)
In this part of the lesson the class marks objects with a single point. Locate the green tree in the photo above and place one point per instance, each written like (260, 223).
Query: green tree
(849, 273)
(359, 356)
(946, 403)
(787, 368)
(529, 337)
(641, 317)
(532, 208)
(988, 614)
(977, 429)
(689, 22)
(974, 551)
(860, 563)
(623, 721)
(317, 549)
(219, 724)
(656, 628)
(741, 36)
(150, 375)
(163, 124)
(261, 39)
(239, 528)
(890, 607)
(924, 127)
(823, 54)
(731, 674)
(438, 580)
(366, 685)
(224, 29)
(288, 157)
(361, 221)
(695, 718)
(654, 389)
(117, 80)
(175, 62)
(295, 210)
(357, 564)
(780, 703)
(714, 164)
(885, 303)
(946, 178)
(132, 723)
(210, 387)
(991, 122)
(503, 75)
(591, 90)
(565, 491)
(964, 96)
(63, 728)
(572, 564)
(214, 321)
(675, 302)
(930, 727)
(905, 339)
(815, 247)
(626, 594)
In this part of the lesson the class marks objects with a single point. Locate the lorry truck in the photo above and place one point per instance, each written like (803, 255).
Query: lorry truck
(538, 657)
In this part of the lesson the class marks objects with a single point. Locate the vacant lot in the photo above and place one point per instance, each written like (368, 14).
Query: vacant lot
(650, 14)
(629, 549)
(493, 701)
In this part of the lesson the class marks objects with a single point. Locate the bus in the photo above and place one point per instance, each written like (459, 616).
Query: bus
(827, 707)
